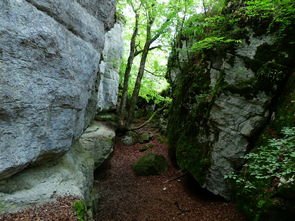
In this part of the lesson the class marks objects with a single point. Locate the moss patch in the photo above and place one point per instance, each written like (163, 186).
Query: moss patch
(80, 210)
(150, 164)
(189, 112)
(146, 147)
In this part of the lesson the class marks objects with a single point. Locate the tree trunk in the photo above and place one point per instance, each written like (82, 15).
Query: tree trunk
(137, 84)
(122, 109)
(145, 52)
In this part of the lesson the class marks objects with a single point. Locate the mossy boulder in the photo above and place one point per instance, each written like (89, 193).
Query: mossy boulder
(150, 164)
(145, 137)
(130, 138)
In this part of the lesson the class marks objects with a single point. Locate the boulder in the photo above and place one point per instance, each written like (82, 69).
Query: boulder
(109, 68)
(72, 174)
(222, 104)
(50, 74)
(128, 140)
(145, 137)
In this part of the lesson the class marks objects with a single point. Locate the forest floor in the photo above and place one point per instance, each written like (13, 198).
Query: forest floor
(125, 196)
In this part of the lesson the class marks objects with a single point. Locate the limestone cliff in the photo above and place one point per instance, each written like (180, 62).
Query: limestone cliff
(223, 98)
(58, 67)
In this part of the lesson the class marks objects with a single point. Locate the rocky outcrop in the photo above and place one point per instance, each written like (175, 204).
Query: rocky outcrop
(222, 102)
(109, 69)
(58, 68)
(72, 174)
(49, 70)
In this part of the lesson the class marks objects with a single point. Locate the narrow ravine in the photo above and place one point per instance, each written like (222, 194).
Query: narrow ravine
(125, 196)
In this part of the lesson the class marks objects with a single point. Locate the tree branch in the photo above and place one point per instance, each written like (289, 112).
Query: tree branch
(175, 178)
(152, 48)
(146, 122)
(152, 73)
(160, 32)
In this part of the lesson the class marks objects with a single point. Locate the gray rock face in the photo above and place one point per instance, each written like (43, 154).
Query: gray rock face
(109, 67)
(104, 10)
(128, 140)
(235, 119)
(213, 133)
(71, 174)
(49, 70)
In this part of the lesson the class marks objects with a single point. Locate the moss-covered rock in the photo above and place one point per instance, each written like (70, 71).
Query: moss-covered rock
(145, 137)
(150, 164)
(224, 97)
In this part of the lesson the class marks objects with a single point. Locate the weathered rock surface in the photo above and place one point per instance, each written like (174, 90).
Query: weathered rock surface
(71, 174)
(236, 119)
(109, 68)
(219, 110)
(49, 75)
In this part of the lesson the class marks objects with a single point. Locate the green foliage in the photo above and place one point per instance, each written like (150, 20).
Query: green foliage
(160, 138)
(161, 15)
(80, 210)
(272, 72)
(279, 10)
(151, 91)
(211, 29)
(212, 42)
(270, 168)
(280, 13)
(151, 87)
(150, 164)
(215, 28)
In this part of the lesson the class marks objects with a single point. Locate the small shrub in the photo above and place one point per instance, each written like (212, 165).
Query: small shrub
(150, 164)
(160, 138)
(80, 210)
(265, 186)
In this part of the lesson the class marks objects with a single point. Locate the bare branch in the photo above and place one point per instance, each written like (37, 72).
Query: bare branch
(152, 73)
(160, 32)
(152, 48)
(146, 122)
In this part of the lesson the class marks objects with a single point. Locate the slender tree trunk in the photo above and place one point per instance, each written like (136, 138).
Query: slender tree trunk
(204, 7)
(140, 74)
(137, 84)
(145, 52)
(122, 109)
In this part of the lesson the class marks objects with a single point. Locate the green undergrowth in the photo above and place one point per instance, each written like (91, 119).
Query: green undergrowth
(265, 188)
(150, 164)
(80, 210)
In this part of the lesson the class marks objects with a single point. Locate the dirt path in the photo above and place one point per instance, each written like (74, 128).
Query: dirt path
(127, 197)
